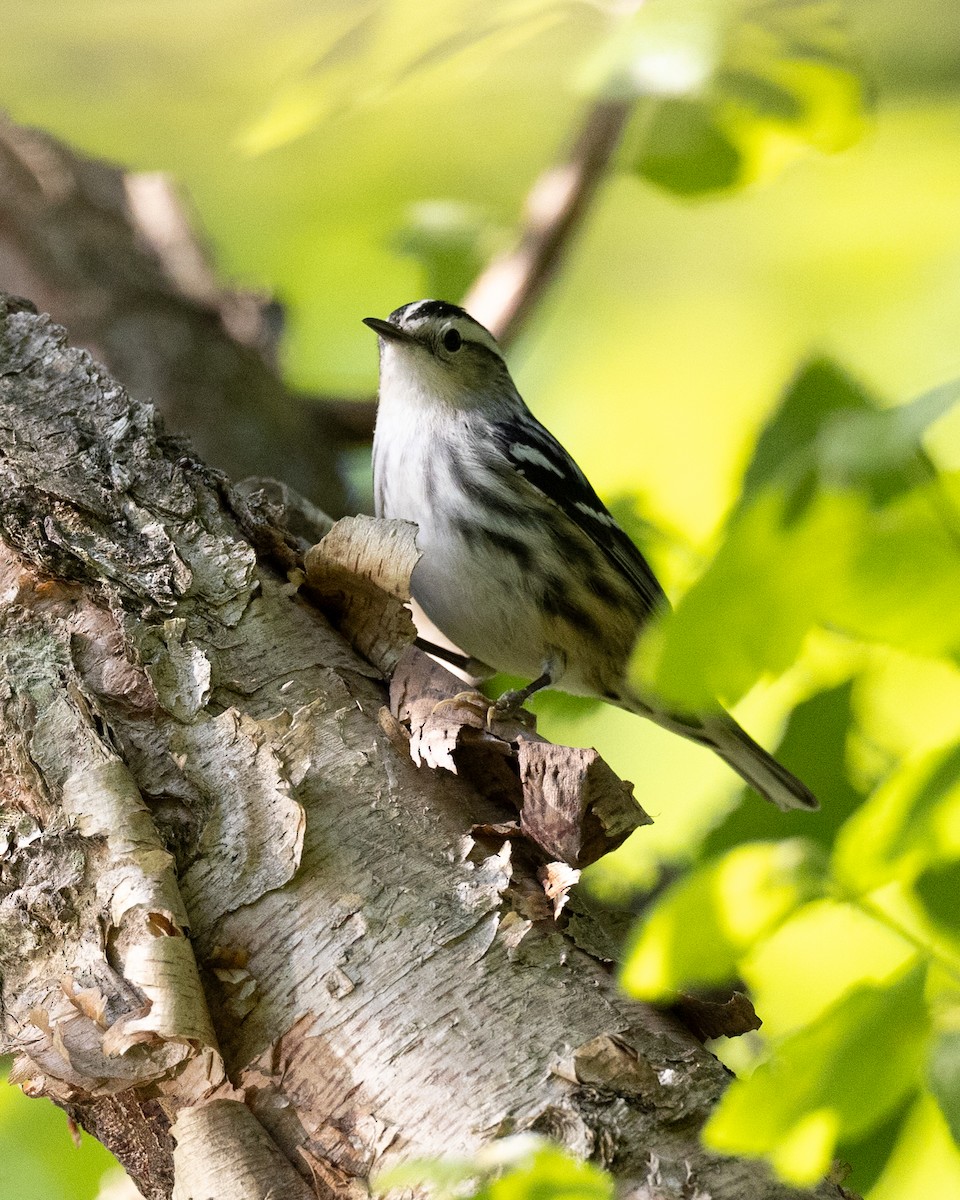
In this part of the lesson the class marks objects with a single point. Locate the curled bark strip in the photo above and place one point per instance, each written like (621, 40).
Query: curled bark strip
(574, 806)
(570, 803)
(222, 1150)
(706, 1018)
(359, 574)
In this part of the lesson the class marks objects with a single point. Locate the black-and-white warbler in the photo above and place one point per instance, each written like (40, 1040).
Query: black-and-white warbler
(522, 566)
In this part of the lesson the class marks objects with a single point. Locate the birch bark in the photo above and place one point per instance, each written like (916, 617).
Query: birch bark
(244, 939)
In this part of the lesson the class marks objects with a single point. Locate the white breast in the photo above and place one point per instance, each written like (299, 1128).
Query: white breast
(478, 597)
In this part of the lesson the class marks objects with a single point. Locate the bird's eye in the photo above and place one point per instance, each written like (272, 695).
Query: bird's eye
(452, 340)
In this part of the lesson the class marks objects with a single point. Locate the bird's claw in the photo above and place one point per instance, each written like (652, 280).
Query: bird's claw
(508, 707)
(475, 702)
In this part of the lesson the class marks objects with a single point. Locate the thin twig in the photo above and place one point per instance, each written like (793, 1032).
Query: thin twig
(506, 291)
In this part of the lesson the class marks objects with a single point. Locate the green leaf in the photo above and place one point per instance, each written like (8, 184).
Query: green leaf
(686, 151)
(819, 954)
(843, 522)
(40, 1160)
(901, 577)
(447, 239)
(924, 1160)
(524, 1167)
(835, 1079)
(944, 1076)
(444, 1176)
(910, 823)
(814, 747)
(761, 95)
(867, 1156)
(830, 431)
(881, 450)
(938, 888)
(699, 931)
(552, 1175)
(379, 51)
(749, 613)
(784, 453)
(736, 88)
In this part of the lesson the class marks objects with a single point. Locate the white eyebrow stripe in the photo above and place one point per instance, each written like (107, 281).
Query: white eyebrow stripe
(597, 514)
(524, 452)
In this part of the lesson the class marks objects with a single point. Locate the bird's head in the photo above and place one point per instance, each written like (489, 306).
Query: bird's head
(437, 353)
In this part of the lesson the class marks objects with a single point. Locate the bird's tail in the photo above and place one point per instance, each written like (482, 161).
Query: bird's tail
(720, 732)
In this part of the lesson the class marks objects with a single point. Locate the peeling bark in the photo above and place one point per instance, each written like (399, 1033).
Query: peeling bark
(244, 938)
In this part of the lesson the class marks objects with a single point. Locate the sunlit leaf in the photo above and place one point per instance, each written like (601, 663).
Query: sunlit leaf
(842, 522)
(819, 954)
(736, 89)
(552, 1175)
(900, 581)
(910, 823)
(731, 903)
(835, 1079)
(924, 1162)
(749, 613)
(442, 1175)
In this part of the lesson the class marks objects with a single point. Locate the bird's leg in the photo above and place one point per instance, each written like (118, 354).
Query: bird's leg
(473, 700)
(509, 704)
(463, 662)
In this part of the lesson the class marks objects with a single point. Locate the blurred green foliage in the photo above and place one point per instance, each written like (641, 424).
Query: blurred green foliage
(847, 521)
(522, 1167)
(40, 1159)
(736, 87)
(736, 376)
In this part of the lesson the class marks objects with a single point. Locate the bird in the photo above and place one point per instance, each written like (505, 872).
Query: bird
(522, 567)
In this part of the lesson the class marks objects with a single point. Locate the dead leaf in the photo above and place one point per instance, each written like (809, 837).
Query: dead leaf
(717, 1018)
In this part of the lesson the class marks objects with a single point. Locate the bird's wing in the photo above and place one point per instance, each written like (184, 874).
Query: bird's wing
(537, 455)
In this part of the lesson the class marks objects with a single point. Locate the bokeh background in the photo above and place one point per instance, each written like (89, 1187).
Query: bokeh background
(751, 348)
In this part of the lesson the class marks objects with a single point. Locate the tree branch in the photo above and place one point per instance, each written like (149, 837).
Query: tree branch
(242, 937)
(509, 288)
(113, 256)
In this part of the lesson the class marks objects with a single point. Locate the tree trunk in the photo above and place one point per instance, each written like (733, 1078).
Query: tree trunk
(244, 939)
(111, 254)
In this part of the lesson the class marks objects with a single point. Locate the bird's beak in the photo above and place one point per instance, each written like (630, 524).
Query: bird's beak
(386, 330)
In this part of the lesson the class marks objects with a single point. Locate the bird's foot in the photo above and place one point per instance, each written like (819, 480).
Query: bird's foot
(508, 707)
(473, 701)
